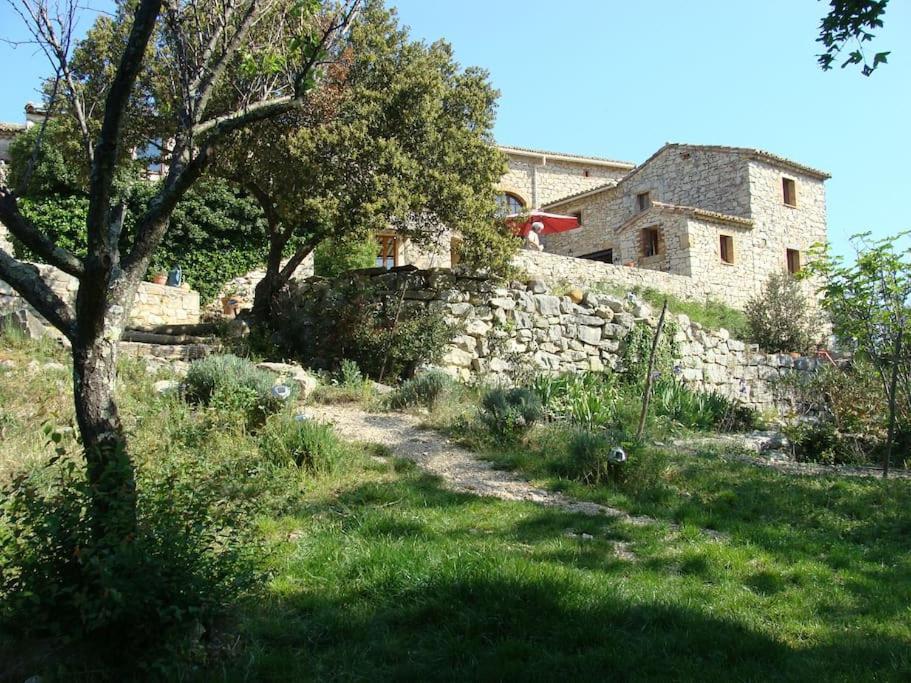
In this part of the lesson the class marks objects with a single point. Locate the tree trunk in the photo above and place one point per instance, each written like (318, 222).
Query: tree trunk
(893, 388)
(266, 289)
(109, 470)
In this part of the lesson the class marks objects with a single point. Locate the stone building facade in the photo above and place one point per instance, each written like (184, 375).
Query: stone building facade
(724, 216)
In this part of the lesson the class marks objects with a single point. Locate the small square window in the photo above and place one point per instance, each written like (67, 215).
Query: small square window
(650, 246)
(793, 257)
(727, 248)
(578, 216)
(643, 201)
(789, 191)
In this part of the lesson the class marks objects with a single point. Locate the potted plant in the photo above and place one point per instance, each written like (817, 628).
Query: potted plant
(159, 277)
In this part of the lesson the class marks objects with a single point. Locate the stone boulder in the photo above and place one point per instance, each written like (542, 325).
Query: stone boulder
(295, 373)
(24, 321)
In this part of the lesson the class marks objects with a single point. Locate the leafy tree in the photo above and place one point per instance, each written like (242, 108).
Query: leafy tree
(780, 318)
(868, 302)
(851, 21)
(331, 258)
(400, 137)
(186, 74)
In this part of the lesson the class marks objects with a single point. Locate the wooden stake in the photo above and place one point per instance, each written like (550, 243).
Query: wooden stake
(651, 368)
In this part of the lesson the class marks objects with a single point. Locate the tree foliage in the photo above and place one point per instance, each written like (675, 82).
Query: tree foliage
(868, 303)
(851, 22)
(401, 136)
(781, 317)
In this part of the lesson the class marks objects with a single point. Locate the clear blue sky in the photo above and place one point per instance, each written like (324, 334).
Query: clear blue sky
(618, 79)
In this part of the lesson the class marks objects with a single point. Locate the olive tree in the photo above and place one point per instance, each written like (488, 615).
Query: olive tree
(185, 74)
(402, 138)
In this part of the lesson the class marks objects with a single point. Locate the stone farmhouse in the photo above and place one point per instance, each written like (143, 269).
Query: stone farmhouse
(715, 220)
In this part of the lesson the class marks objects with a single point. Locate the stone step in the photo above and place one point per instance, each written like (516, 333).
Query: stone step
(167, 352)
(170, 339)
(197, 329)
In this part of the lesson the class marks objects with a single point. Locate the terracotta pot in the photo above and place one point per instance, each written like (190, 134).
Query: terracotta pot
(159, 278)
(630, 264)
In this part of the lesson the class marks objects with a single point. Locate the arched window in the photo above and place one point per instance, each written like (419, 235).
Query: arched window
(509, 203)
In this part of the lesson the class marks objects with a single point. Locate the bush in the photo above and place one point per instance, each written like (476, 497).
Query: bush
(698, 409)
(587, 399)
(780, 318)
(847, 416)
(233, 385)
(129, 605)
(358, 320)
(509, 413)
(586, 460)
(309, 445)
(424, 390)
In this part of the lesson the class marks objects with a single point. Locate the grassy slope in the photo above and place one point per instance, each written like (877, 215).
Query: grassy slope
(380, 573)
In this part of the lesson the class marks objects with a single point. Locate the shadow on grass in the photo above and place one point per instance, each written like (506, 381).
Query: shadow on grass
(477, 628)
(420, 583)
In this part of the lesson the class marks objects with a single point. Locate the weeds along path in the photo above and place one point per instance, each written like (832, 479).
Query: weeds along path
(457, 467)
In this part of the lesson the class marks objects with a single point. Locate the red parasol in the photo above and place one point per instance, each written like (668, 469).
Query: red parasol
(553, 222)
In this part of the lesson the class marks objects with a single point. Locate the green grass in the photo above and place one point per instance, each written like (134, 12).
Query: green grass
(392, 577)
(711, 314)
(377, 572)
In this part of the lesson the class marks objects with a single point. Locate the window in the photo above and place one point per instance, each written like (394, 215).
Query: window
(727, 248)
(509, 203)
(650, 242)
(578, 216)
(586, 173)
(789, 191)
(388, 254)
(793, 261)
(605, 256)
(643, 201)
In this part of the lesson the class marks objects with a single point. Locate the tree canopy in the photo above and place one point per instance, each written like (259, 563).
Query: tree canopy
(851, 22)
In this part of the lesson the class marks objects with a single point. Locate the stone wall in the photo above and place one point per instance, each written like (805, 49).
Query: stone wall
(154, 304)
(557, 270)
(505, 328)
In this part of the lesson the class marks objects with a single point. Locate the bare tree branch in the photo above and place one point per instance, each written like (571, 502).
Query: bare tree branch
(105, 160)
(258, 111)
(27, 281)
(36, 240)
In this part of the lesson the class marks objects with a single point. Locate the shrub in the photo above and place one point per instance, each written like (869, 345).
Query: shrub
(232, 384)
(698, 409)
(509, 413)
(586, 399)
(587, 457)
(309, 445)
(848, 419)
(358, 320)
(424, 390)
(133, 604)
(349, 374)
(780, 318)
(586, 460)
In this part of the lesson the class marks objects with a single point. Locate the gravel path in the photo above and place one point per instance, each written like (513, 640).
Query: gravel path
(458, 467)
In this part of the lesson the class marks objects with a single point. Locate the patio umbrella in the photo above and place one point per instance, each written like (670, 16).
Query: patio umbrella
(553, 222)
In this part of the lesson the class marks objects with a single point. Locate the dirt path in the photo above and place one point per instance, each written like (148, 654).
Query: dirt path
(459, 468)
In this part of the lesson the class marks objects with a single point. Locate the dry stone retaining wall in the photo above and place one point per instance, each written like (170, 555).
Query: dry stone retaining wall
(153, 305)
(506, 328)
